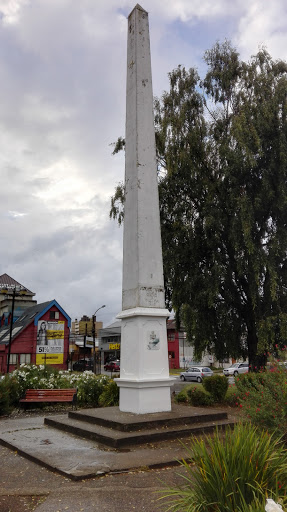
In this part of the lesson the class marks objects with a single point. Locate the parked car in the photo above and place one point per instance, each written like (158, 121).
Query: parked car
(196, 373)
(113, 366)
(236, 368)
(83, 364)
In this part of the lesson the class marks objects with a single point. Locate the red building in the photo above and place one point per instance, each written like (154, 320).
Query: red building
(173, 337)
(39, 336)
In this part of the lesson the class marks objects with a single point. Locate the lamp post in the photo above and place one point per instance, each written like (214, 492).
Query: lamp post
(94, 334)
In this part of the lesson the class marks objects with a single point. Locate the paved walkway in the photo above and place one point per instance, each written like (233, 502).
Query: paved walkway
(25, 487)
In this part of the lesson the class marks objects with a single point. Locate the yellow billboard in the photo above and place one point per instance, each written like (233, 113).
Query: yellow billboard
(49, 358)
(50, 342)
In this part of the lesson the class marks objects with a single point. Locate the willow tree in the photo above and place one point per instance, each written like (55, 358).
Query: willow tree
(222, 156)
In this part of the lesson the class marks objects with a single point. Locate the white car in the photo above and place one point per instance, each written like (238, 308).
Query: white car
(236, 368)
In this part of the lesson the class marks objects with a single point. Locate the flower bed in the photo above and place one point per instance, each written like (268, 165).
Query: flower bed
(90, 387)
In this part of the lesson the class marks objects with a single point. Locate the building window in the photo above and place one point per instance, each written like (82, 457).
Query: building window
(25, 358)
(54, 315)
(13, 359)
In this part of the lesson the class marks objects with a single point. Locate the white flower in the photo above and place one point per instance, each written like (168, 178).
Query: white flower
(271, 506)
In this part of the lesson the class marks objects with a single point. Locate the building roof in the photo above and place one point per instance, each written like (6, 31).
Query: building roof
(113, 329)
(171, 325)
(30, 315)
(10, 283)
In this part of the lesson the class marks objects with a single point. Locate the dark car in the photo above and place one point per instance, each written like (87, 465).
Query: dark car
(112, 366)
(83, 364)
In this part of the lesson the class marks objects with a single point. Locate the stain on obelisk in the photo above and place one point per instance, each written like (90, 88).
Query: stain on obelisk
(144, 380)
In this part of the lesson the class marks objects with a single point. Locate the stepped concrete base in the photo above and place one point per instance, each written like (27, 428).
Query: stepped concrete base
(117, 429)
(107, 440)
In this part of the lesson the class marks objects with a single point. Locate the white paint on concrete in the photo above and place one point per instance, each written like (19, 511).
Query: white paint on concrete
(142, 264)
(144, 379)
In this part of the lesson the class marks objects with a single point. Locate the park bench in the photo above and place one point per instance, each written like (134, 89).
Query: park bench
(38, 396)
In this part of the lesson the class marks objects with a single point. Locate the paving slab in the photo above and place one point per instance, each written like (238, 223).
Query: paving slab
(25, 486)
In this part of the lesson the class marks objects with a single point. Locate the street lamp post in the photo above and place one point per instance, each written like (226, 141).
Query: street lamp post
(94, 334)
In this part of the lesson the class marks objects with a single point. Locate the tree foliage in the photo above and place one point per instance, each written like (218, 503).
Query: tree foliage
(222, 143)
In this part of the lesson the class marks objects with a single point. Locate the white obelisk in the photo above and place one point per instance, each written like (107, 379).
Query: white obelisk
(144, 379)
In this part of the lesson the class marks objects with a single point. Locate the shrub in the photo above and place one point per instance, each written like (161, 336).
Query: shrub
(90, 388)
(13, 390)
(263, 398)
(4, 397)
(34, 377)
(232, 473)
(217, 386)
(198, 397)
(110, 396)
(231, 397)
(181, 397)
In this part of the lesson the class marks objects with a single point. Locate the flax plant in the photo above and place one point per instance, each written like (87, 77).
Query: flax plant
(234, 472)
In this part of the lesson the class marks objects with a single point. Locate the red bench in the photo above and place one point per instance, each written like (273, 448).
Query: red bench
(34, 396)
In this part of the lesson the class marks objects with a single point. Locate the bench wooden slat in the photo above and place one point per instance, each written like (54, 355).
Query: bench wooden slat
(46, 399)
(55, 395)
(49, 395)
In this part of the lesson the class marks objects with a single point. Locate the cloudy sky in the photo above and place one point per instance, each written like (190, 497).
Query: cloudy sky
(62, 80)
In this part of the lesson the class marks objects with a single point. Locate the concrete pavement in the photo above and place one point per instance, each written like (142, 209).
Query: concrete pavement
(78, 458)
(83, 456)
(26, 487)
(82, 475)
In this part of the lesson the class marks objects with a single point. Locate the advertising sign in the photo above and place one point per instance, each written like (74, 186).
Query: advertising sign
(114, 346)
(50, 342)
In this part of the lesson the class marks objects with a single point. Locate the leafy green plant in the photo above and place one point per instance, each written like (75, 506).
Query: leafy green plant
(198, 397)
(234, 473)
(217, 386)
(90, 390)
(231, 398)
(263, 399)
(181, 397)
(4, 397)
(110, 396)
(89, 386)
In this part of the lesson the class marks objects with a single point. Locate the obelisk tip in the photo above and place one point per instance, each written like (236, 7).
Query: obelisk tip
(139, 8)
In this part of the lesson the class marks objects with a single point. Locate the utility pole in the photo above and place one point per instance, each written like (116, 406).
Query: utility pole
(11, 329)
(85, 340)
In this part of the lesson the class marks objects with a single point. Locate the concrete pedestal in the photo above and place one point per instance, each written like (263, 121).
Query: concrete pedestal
(144, 379)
